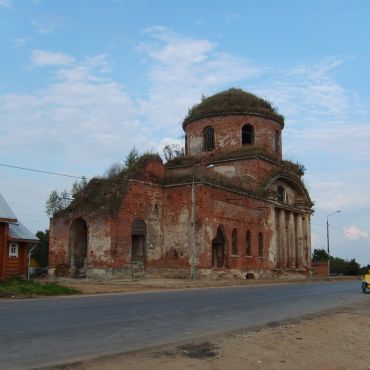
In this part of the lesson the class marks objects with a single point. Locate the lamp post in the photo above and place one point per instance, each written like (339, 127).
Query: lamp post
(327, 237)
(193, 272)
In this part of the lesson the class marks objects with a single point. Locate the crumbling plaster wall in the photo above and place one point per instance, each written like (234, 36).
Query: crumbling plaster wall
(98, 238)
(143, 201)
(177, 225)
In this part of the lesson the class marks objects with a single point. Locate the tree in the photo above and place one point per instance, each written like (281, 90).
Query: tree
(342, 267)
(173, 151)
(319, 255)
(113, 170)
(132, 157)
(78, 186)
(41, 252)
(57, 202)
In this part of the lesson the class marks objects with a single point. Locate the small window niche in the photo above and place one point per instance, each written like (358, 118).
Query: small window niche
(277, 141)
(281, 195)
(13, 250)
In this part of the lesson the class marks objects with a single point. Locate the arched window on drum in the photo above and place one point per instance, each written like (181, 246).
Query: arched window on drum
(247, 134)
(209, 138)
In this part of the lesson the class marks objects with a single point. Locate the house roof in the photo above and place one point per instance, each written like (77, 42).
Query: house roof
(6, 214)
(19, 232)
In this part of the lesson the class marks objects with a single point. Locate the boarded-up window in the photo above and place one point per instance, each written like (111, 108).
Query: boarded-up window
(138, 239)
(218, 249)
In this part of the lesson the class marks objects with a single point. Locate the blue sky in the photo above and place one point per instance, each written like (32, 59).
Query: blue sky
(82, 82)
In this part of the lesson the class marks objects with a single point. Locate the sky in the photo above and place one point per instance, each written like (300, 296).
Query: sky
(83, 82)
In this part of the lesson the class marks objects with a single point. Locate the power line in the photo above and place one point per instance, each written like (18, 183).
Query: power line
(47, 172)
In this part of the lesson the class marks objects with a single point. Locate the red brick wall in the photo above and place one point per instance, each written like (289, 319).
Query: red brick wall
(231, 210)
(228, 132)
(320, 268)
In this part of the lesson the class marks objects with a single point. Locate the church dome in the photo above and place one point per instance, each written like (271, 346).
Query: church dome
(232, 101)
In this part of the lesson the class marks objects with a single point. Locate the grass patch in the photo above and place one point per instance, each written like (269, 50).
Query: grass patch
(232, 101)
(23, 288)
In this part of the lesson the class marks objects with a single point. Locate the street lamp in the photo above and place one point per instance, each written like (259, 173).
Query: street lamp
(193, 272)
(327, 237)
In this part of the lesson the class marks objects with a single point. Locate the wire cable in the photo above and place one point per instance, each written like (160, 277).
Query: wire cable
(40, 171)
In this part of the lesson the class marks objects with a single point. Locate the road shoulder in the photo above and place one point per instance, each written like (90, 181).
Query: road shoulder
(336, 339)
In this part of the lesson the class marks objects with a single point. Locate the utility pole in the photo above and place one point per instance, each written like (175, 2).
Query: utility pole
(192, 236)
(193, 268)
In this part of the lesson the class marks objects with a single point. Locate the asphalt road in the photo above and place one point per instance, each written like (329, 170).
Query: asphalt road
(41, 332)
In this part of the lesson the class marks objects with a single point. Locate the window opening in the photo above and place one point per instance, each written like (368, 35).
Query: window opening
(247, 134)
(280, 194)
(209, 138)
(277, 141)
(234, 245)
(248, 246)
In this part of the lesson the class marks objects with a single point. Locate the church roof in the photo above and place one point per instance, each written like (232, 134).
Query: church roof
(232, 101)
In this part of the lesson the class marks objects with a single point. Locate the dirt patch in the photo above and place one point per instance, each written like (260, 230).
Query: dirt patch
(338, 340)
(201, 350)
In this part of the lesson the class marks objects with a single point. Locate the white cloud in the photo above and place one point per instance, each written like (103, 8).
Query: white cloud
(44, 57)
(186, 68)
(78, 119)
(42, 27)
(340, 190)
(353, 232)
(6, 3)
(18, 42)
(307, 88)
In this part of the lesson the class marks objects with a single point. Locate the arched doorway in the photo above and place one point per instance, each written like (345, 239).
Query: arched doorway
(78, 245)
(218, 249)
(138, 239)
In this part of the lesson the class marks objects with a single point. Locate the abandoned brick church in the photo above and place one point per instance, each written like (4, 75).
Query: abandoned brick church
(231, 206)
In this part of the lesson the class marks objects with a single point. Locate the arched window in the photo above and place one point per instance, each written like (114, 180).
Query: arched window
(277, 141)
(247, 134)
(234, 243)
(280, 191)
(248, 245)
(260, 245)
(209, 138)
(186, 145)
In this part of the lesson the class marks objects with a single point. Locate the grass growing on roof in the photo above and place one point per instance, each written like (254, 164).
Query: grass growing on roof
(19, 287)
(232, 101)
(104, 195)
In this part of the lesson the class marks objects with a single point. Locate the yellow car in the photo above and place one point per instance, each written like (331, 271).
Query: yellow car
(366, 283)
